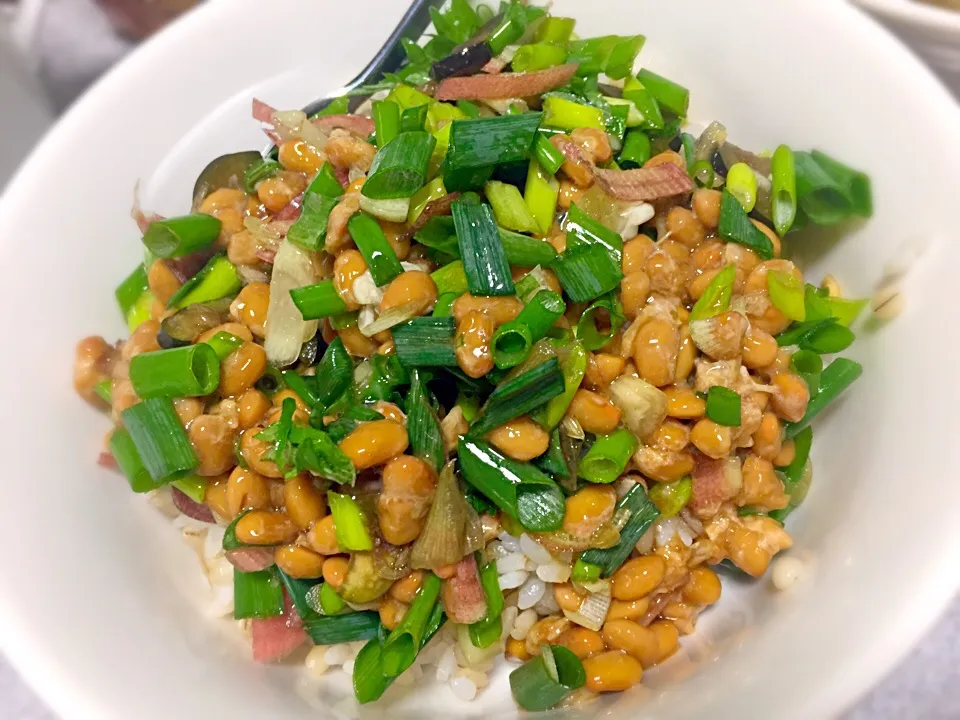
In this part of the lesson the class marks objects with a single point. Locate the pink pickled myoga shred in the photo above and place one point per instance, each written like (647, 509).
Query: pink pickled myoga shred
(650, 183)
(503, 86)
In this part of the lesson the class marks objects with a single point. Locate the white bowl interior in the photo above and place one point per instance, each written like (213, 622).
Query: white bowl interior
(102, 606)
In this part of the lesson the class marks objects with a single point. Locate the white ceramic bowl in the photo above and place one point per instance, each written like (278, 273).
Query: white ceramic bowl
(101, 603)
(933, 33)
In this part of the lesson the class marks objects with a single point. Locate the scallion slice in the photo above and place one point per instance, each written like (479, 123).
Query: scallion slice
(589, 330)
(376, 250)
(783, 197)
(423, 425)
(330, 602)
(400, 167)
(667, 93)
(130, 290)
(566, 114)
(526, 251)
(787, 294)
(828, 338)
(836, 378)
(509, 209)
(573, 365)
(735, 226)
(188, 371)
(129, 462)
(540, 196)
(318, 301)
(326, 183)
(829, 192)
(547, 154)
(538, 56)
(160, 439)
(587, 272)
(310, 229)
(808, 365)
(386, 120)
(183, 235)
(433, 190)
(257, 594)
(426, 342)
(484, 259)
(520, 395)
(513, 340)
(350, 420)
(402, 645)
(555, 29)
(104, 391)
(486, 632)
(519, 489)
(541, 683)
(742, 184)
(218, 279)
(671, 497)
(636, 150)
(723, 406)
(262, 170)
(486, 142)
(223, 344)
(607, 458)
(641, 514)
(451, 279)
(350, 523)
(645, 102)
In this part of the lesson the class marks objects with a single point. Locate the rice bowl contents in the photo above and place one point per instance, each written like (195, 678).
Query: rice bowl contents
(504, 356)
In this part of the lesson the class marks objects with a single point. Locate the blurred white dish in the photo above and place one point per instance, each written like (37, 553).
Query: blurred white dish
(933, 33)
(101, 604)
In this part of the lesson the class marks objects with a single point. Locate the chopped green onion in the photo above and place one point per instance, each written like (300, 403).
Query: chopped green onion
(587, 272)
(735, 226)
(188, 371)
(547, 155)
(369, 679)
(641, 514)
(302, 386)
(318, 301)
(337, 106)
(555, 29)
(260, 171)
(607, 458)
(386, 120)
(787, 294)
(400, 167)
(742, 184)
(310, 229)
(433, 190)
(426, 342)
(808, 365)
(829, 192)
(485, 142)
(223, 344)
(836, 378)
(129, 462)
(330, 602)
(257, 594)
(723, 406)
(104, 390)
(612, 55)
(573, 365)
(218, 279)
(451, 278)
(702, 173)
(827, 339)
(513, 340)
(194, 487)
(544, 681)
(408, 97)
(560, 112)
(671, 497)
(540, 197)
(444, 306)
(588, 330)
(129, 291)
(716, 298)
(468, 108)
(584, 572)
(797, 476)
(506, 33)
(376, 250)
(636, 150)
(402, 645)
(539, 56)
(520, 395)
(350, 523)
(519, 489)
(487, 631)
(350, 420)
(348, 627)
(509, 208)
(583, 229)
(458, 23)
(667, 93)
(160, 439)
(183, 235)
(423, 425)
(326, 183)
(526, 251)
(484, 260)
(846, 311)
(646, 104)
(784, 192)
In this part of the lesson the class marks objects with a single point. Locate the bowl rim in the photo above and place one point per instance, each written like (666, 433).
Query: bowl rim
(891, 643)
(911, 12)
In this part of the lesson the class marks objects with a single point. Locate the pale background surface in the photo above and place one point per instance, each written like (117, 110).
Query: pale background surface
(70, 44)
